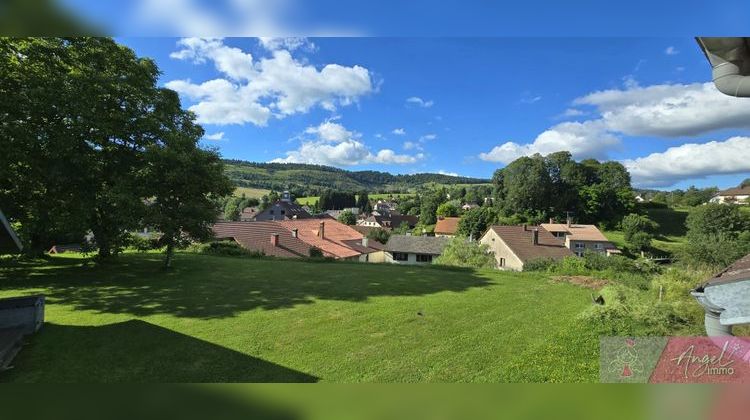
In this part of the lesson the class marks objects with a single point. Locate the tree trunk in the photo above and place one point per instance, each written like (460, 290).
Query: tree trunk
(169, 255)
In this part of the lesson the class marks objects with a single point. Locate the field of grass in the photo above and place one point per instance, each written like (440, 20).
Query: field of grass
(223, 319)
(250, 192)
(671, 235)
(387, 196)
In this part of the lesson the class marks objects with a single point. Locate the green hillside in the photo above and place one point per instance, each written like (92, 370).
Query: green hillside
(310, 179)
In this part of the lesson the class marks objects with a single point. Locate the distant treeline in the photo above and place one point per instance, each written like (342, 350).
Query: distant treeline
(313, 180)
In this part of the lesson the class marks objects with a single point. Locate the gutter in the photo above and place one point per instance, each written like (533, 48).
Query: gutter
(730, 63)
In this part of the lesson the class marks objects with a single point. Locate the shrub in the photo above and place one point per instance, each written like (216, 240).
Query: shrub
(461, 253)
(316, 252)
(226, 248)
(638, 230)
(347, 217)
(141, 244)
(380, 235)
(540, 264)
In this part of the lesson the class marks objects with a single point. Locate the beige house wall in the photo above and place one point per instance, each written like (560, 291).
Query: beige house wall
(412, 259)
(373, 257)
(502, 252)
(582, 246)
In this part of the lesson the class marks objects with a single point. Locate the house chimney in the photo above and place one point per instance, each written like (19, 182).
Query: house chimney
(322, 230)
(365, 241)
(275, 239)
(535, 237)
(551, 220)
(295, 232)
(525, 227)
(568, 221)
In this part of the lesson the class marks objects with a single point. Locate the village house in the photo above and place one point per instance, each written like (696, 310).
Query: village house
(739, 195)
(295, 238)
(385, 206)
(447, 226)
(407, 249)
(514, 246)
(581, 238)
(469, 206)
(248, 214)
(284, 209)
(389, 222)
(334, 214)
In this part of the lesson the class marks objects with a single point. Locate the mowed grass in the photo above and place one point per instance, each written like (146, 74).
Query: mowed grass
(250, 192)
(309, 201)
(223, 319)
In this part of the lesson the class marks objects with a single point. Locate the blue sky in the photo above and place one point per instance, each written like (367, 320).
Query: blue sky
(462, 105)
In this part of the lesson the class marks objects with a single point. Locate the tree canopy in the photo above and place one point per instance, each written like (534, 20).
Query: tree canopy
(539, 187)
(83, 126)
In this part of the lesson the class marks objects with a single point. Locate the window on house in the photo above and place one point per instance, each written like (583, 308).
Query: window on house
(580, 245)
(400, 256)
(424, 258)
(579, 253)
(283, 212)
(599, 246)
(502, 262)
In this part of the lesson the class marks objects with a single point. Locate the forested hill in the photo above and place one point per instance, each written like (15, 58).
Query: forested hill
(279, 176)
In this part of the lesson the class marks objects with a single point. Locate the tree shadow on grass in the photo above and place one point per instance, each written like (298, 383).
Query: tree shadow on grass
(216, 287)
(136, 351)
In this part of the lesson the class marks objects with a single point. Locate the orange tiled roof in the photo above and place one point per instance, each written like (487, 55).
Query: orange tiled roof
(447, 225)
(338, 241)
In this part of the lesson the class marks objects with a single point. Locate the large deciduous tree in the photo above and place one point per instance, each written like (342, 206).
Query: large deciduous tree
(78, 120)
(185, 181)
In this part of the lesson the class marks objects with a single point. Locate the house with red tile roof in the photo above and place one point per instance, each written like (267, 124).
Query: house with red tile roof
(296, 237)
(446, 226)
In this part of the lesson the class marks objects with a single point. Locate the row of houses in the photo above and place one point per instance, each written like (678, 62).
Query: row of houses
(739, 195)
(513, 246)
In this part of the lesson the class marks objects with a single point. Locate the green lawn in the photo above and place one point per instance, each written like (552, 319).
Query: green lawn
(236, 319)
(671, 234)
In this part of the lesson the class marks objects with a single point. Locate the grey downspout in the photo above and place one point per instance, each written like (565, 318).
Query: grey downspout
(714, 328)
(730, 63)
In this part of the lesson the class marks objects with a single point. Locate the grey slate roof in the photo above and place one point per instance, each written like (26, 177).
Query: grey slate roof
(417, 244)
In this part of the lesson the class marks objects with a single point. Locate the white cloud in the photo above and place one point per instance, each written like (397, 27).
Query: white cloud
(689, 161)
(230, 61)
(427, 137)
(332, 132)
(529, 98)
(572, 112)
(587, 139)
(671, 51)
(332, 144)
(668, 110)
(412, 145)
(272, 86)
(416, 100)
(442, 172)
(238, 18)
(286, 43)
(388, 156)
(215, 136)
(398, 131)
